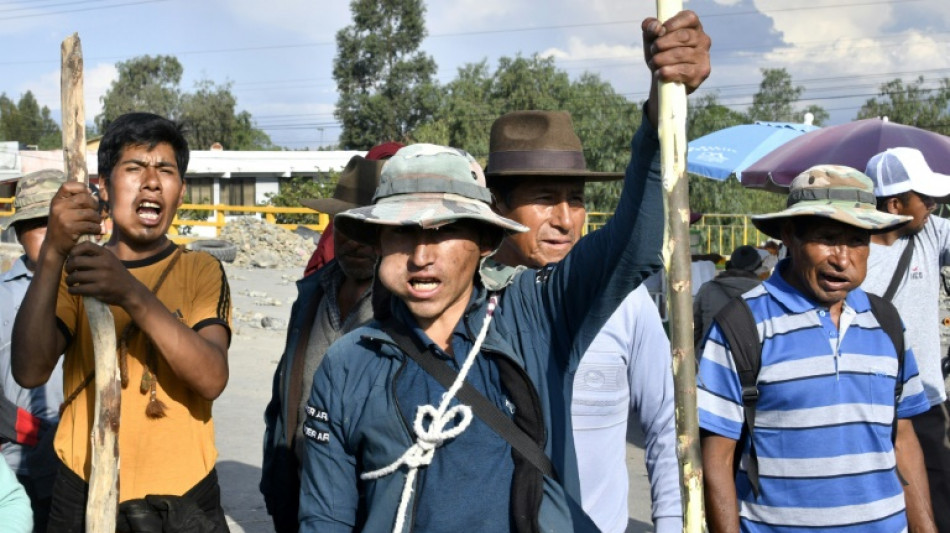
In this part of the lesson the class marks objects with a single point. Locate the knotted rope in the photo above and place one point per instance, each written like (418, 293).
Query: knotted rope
(429, 438)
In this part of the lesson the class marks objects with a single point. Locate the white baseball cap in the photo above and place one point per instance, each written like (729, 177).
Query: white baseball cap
(899, 170)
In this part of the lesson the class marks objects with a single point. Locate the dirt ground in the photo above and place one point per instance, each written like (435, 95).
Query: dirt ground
(239, 424)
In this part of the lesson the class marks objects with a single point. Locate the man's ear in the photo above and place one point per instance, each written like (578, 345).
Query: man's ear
(181, 195)
(490, 240)
(498, 204)
(894, 205)
(104, 189)
(788, 234)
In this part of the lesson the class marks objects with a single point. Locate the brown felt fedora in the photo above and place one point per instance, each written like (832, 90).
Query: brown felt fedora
(538, 143)
(358, 182)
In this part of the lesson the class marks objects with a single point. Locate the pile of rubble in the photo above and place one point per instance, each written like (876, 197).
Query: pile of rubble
(264, 245)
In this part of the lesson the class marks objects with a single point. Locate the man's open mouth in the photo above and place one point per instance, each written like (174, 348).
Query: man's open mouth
(424, 285)
(149, 211)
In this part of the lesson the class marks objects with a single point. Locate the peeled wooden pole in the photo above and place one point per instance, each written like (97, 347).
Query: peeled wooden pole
(103, 499)
(676, 258)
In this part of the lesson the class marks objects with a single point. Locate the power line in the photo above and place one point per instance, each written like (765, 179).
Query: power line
(61, 12)
(33, 8)
(441, 35)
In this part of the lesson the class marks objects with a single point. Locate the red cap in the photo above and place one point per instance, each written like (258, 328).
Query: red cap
(384, 150)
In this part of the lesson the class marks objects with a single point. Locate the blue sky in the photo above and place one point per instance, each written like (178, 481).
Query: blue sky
(278, 54)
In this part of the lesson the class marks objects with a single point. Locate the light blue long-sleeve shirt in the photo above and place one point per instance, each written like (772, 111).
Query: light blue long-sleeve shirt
(627, 370)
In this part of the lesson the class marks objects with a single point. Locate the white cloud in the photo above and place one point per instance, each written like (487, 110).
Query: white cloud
(96, 81)
(578, 50)
(468, 15)
(303, 18)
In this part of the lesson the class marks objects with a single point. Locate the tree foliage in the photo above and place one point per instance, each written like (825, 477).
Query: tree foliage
(145, 83)
(302, 188)
(209, 113)
(386, 85)
(912, 104)
(603, 119)
(27, 123)
(776, 98)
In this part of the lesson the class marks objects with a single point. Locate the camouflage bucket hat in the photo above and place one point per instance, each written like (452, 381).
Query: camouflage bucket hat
(34, 192)
(428, 186)
(831, 191)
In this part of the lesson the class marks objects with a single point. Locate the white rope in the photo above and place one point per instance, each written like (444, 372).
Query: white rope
(431, 437)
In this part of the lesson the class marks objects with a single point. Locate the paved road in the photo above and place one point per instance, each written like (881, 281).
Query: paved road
(238, 413)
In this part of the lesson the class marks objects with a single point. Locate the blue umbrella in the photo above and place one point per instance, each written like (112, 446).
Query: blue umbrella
(729, 151)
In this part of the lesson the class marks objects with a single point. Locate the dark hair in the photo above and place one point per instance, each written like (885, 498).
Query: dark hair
(141, 129)
(501, 190)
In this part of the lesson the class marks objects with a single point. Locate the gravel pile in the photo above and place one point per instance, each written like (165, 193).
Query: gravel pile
(264, 245)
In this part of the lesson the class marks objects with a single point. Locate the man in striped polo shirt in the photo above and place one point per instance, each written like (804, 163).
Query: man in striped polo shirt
(825, 414)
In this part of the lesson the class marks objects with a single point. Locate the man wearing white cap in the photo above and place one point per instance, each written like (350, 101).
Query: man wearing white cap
(905, 185)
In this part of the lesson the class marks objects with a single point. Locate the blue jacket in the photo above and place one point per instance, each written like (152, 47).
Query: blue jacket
(280, 483)
(544, 322)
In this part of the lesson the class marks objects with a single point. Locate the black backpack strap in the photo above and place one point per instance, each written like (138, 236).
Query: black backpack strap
(481, 406)
(900, 270)
(738, 327)
(886, 315)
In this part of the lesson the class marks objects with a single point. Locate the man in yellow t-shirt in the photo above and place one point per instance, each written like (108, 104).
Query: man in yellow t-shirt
(172, 314)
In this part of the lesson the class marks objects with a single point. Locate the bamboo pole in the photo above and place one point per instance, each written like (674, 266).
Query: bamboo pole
(103, 499)
(676, 258)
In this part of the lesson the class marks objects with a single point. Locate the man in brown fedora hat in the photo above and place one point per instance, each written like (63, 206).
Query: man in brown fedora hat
(537, 173)
(331, 302)
(325, 252)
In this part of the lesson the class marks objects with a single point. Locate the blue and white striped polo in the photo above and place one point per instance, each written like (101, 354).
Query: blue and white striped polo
(824, 416)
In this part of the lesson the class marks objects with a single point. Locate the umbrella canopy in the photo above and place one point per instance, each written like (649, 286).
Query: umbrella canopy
(851, 144)
(729, 151)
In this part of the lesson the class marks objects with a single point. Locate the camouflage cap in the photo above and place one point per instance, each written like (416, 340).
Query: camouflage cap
(429, 186)
(34, 192)
(831, 191)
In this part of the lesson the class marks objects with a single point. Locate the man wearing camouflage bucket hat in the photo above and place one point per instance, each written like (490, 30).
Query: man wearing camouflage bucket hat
(826, 438)
(331, 302)
(389, 446)
(28, 417)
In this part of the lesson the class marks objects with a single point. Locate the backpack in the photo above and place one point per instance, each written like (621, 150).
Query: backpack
(739, 329)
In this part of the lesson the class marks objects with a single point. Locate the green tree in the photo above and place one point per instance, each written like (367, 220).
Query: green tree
(145, 83)
(27, 123)
(208, 114)
(912, 104)
(706, 115)
(386, 86)
(302, 188)
(776, 98)
(603, 119)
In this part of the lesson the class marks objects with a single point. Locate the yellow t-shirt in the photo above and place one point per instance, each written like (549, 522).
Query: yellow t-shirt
(156, 456)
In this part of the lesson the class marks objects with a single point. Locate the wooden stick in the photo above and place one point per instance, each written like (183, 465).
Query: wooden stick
(104, 480)
(676, 258)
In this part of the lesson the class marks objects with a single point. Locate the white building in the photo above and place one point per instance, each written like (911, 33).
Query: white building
(213, 176)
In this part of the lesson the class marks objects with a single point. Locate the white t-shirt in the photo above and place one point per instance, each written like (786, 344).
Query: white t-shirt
(918, 296)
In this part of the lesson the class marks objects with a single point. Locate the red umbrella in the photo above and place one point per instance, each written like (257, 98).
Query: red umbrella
(851, 144)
